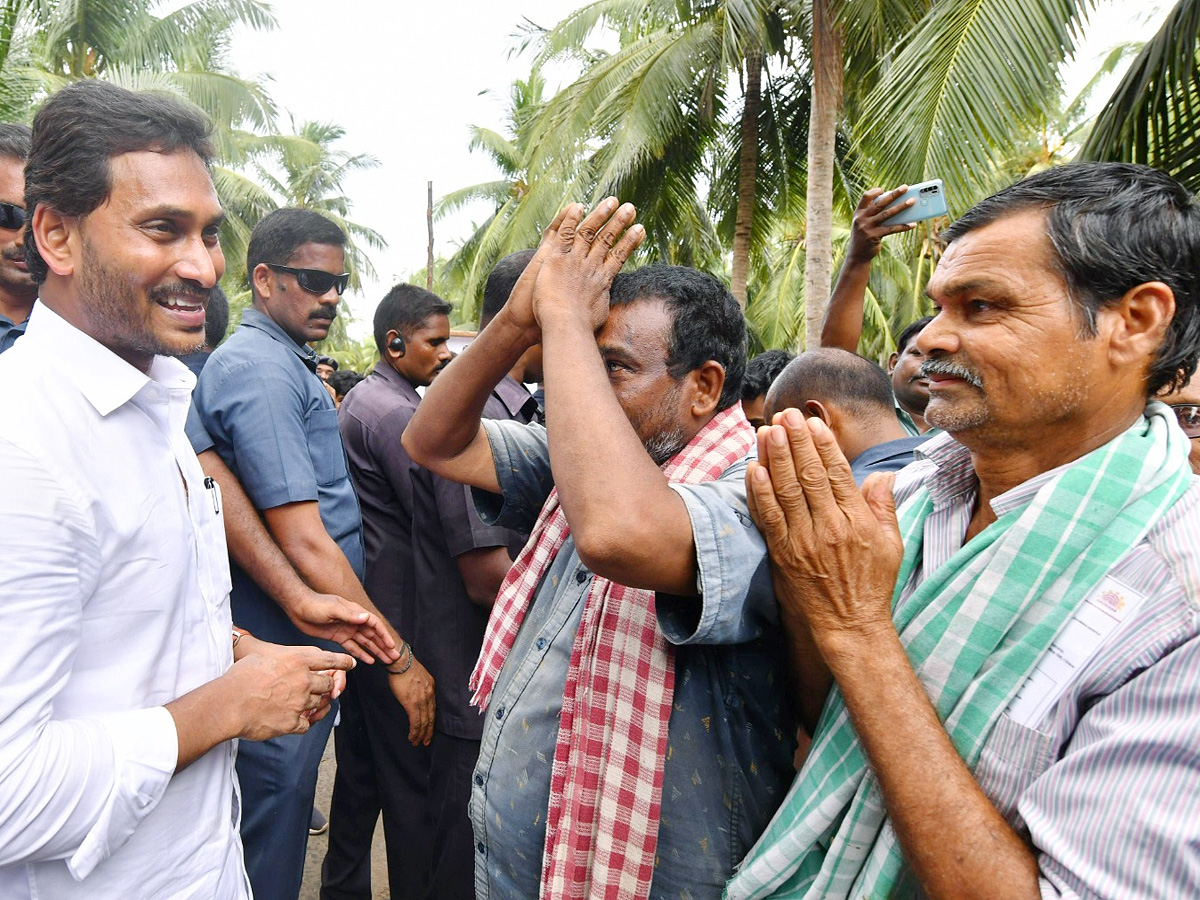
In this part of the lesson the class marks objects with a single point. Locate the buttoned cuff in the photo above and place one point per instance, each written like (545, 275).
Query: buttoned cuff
(145, 748)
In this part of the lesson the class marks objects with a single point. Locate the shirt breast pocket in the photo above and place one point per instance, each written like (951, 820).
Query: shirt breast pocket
(325, 446)
(1013, 757)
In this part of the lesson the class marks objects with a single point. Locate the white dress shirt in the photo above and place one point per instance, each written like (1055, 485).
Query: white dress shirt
(114, 588)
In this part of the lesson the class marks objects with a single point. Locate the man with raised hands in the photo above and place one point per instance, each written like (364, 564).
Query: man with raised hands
(635, 739)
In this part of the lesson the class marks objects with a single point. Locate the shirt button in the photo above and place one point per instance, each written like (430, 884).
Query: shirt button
(479, 779)
(479, 846)
(581, 576)
(500, 713)
(541, 643)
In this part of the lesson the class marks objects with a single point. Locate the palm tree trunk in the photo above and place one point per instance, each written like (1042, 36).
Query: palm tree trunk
(747, 172)
(822, 134)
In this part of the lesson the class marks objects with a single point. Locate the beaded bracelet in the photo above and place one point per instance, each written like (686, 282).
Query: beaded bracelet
(407, 649)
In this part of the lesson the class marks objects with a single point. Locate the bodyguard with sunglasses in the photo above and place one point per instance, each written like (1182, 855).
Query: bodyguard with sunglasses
(17, 290)
(264, 410)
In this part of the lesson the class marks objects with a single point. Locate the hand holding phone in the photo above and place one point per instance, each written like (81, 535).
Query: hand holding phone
(928, 202)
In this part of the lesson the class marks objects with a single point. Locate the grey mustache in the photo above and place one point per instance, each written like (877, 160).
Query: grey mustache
(953, 369)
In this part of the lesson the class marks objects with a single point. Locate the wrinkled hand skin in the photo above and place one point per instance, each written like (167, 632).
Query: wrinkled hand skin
(867, 229)
(835, 550)
(336, 619)
(579, 257)
(414, 691)
(283, 690)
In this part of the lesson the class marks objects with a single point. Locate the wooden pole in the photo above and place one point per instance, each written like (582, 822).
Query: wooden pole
(429, 256)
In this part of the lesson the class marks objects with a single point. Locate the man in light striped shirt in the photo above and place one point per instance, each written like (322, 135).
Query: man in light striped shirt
(1010, 627)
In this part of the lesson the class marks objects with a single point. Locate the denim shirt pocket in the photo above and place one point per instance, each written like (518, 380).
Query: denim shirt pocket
(325, 446)
(1013, 757)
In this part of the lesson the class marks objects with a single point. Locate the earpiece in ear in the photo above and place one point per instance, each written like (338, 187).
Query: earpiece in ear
(396, 345)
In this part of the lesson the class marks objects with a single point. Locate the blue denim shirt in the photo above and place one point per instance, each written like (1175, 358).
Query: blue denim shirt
(10, 332)
(730, 737)
(260, 404)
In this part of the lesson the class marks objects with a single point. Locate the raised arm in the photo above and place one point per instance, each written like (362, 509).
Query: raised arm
(844, 317)
(445, 435)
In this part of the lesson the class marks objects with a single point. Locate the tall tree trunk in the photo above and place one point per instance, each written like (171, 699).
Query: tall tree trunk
(822, 135)
(429, 253)
(747, 171)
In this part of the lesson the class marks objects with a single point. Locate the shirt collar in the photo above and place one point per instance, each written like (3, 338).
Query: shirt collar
(254, 318)
(512, 394)
(398, 381)
(102, 377)
(888, 449)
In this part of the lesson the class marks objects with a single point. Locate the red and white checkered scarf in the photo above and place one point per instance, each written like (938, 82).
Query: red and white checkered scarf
(606, 782)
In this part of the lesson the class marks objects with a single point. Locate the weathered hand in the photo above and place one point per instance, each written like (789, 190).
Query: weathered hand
(334, 618)
(868, 230)
(835, 550)
(414, 690)
(580, 256)
(283, 690)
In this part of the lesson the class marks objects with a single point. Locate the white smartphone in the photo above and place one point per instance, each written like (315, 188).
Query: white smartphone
(931, 202)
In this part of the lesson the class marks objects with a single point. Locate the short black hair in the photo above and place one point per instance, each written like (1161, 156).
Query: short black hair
(343, 380)
(911, 330)
(216, 316)
(1114, 226)
(708, 322)
(282, 232)
(762, 371)
(500, 282)
(835, 376)
(403, 309)
(79, 130)
(14, 141)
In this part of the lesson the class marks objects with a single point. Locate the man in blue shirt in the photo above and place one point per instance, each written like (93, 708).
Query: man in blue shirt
(853, 397)
(632, 550)
(261, 406)
(17, 288)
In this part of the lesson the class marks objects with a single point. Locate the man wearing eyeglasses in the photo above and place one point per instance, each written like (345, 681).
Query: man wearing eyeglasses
(261, 406)
(17, 290)
(1185, 403)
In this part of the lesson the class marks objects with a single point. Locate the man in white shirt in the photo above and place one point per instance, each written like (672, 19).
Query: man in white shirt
(123, 682)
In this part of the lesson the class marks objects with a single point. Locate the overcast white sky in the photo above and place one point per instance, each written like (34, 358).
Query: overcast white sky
(407, 79)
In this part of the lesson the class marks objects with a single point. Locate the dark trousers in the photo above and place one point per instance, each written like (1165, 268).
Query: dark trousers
(378, 770)
(453, 863)
(278, 779)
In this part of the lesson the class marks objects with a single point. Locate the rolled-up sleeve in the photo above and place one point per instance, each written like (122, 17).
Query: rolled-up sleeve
(521, 455)
(72, 789)
(736, 600)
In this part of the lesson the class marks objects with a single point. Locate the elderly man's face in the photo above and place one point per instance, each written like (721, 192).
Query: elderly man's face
(634, 344)
(1010, 363)
(148, 257)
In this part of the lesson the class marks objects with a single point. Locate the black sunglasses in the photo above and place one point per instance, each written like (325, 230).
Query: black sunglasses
(1188, 415)
(12, 216)
(315, 281)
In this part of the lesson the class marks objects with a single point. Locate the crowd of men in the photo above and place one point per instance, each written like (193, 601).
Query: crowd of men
(683, 625)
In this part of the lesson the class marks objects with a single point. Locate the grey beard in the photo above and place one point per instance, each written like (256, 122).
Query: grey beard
(663, 446)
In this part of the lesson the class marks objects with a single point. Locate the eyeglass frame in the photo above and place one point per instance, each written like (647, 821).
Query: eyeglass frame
(10, 212)
(337, 282)
(1178, 409)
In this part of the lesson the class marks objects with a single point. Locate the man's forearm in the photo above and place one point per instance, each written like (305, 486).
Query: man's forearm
(844, 316)
(628, 525)
(250, 544)
(447, 421)
(955, 840)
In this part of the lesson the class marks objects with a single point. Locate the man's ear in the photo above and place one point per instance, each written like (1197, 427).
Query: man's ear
(57, 239)
(1137, 324)
(261, 281)
(815, 409)
(707, 383)
(892, 360)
